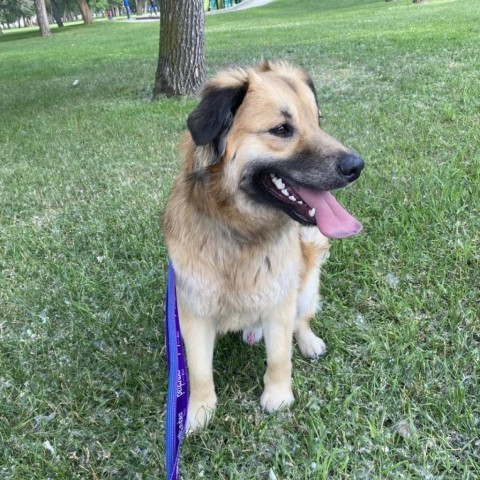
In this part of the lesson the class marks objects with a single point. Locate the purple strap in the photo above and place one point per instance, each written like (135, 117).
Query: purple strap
(177, 395)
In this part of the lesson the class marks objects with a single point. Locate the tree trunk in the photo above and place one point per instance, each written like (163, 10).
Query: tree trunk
(181, 59)
(85, 11)
(42, 18)
(56, 13)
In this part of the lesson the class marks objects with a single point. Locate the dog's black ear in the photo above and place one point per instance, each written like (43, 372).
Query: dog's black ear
(210, 122)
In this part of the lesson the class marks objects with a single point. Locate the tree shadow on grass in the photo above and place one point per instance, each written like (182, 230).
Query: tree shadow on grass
(27, 33)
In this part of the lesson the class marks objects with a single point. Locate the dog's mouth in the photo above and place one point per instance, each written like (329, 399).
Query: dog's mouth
(310, 207)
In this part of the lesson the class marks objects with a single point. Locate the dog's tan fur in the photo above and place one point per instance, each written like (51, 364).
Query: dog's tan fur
(241, 264)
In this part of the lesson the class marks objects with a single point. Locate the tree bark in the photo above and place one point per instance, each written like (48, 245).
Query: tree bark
(42, 18)
(85, 11)
(181, 59)
(56, 13)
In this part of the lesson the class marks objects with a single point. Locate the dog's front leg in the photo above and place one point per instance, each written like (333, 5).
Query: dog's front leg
(278, 333)
(199, 339)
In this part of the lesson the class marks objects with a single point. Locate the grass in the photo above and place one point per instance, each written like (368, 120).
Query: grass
(85, 173)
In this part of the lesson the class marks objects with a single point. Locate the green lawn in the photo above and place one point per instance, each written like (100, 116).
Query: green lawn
(84, 174)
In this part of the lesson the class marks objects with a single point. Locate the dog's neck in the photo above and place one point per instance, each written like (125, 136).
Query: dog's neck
(205, 199)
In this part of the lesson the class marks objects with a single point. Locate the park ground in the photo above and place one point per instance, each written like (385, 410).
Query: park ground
(87, 164)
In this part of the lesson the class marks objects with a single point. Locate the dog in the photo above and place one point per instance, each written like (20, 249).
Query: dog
(248, 220)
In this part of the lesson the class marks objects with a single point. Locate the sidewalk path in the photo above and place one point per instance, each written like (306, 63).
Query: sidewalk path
(240, 6)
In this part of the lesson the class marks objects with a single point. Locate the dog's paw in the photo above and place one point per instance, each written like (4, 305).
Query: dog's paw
(252, 336)
(310, 345)
(199, 415)
(273, 400)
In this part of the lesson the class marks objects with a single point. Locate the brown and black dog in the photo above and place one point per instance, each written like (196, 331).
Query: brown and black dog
(247, 222)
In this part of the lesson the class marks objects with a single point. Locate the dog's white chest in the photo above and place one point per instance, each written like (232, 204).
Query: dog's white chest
(237, 298)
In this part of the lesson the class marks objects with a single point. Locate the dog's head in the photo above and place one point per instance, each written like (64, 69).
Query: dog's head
(260, 128)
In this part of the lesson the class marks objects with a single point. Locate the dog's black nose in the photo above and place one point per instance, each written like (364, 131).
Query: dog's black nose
(350, 166)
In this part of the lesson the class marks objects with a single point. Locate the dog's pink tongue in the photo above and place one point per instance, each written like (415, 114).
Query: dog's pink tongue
(332, 219)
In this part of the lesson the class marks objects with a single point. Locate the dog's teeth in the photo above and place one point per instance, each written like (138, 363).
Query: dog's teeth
(292, 198)
(285, 192)
(311, 212)
(300, 202)
(278, 183)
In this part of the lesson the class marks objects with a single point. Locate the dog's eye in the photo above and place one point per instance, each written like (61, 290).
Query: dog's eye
(284, 131)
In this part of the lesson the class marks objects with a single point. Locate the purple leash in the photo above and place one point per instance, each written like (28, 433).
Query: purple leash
(177, 395)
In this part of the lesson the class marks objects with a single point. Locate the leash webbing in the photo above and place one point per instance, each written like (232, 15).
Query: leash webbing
(177, 395)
